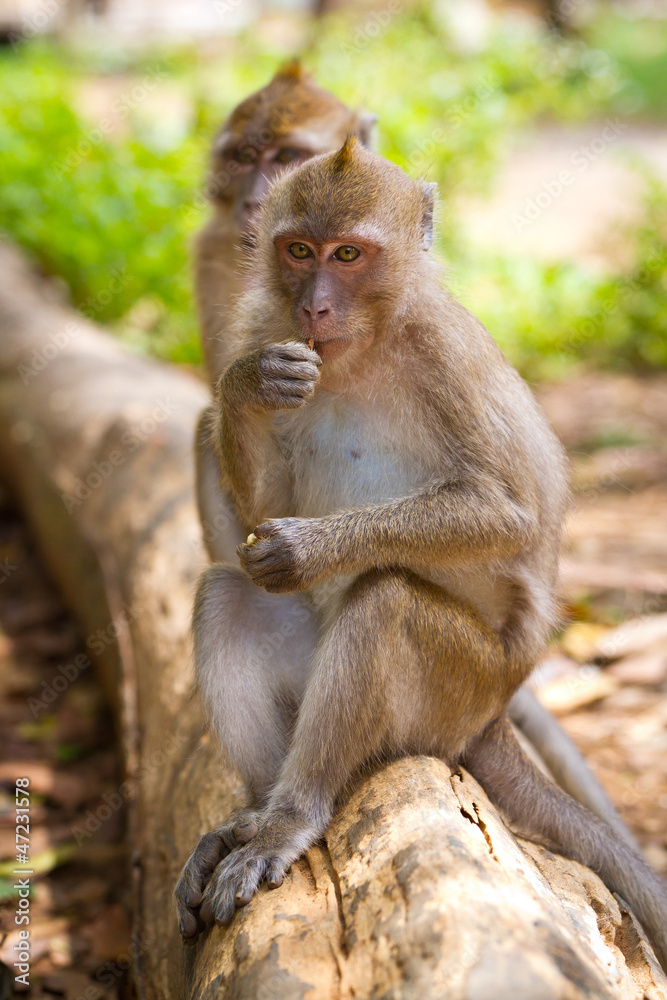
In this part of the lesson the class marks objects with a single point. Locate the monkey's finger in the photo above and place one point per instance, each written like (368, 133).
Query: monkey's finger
(244, 832)
(201, 864)
(288, 400)
(264, 552)
(275, 873)
(207, 909)
(188, 921)
(278, 569)
(224, 904)
(262, 571)
(291, 369)
(252, 874)
(283, 385)
(188, 924)
(268, 528)
(297, 350)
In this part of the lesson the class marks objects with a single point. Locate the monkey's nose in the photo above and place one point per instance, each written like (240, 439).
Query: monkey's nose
(314, 313)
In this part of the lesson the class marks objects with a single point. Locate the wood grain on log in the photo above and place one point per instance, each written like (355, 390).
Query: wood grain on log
(419, 890)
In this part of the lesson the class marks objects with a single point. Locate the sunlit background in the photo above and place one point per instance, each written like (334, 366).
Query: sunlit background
(544, 125)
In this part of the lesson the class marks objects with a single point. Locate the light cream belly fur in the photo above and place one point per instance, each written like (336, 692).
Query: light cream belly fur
(345, 458)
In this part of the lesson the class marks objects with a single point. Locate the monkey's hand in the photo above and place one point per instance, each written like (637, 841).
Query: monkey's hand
(239, 829)
(275, 377)
(282, 838)
(282, 559)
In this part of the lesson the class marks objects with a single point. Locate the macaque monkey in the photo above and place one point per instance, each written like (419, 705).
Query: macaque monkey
(406, 495)
(286, 123)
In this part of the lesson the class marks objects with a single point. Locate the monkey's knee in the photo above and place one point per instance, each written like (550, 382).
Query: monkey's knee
(452, 676)
(222, 591)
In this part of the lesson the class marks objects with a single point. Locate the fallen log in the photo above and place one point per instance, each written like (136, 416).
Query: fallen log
(418, 890)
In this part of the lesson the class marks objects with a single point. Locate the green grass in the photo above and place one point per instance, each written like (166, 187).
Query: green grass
(113, 212)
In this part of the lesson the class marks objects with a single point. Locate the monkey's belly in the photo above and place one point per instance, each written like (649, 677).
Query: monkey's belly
(343, 457)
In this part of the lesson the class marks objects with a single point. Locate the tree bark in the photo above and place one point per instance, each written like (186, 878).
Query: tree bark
(418, 890)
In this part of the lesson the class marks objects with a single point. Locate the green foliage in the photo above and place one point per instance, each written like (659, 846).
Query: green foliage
(110, 217)
(111, 206)
(551, 318)
(640, 51)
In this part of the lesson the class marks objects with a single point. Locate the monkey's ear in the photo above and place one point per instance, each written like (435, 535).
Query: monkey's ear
(364, 128)
(220, 141)
(428, 210)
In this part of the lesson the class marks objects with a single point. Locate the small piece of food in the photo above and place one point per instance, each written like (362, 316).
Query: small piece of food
(251, 539)
(311, 343)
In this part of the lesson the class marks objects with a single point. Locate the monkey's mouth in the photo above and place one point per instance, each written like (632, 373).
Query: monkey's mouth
(331, 347)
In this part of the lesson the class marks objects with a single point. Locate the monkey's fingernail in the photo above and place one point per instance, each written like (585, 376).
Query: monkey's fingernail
(181, 928)
(251, 539)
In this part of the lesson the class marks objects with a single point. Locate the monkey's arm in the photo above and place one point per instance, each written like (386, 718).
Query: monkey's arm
(452, 523)
(252, 463)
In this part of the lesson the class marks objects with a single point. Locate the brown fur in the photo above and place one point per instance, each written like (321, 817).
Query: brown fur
(290, 110)
(292, 102)
(407, 496)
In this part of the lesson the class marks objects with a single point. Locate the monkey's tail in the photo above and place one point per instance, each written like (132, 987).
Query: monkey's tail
(547, 814)
(564, 760)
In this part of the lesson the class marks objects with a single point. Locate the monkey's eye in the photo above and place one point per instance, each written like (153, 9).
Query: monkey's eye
(245, 156)
(287, 155)
(346, 253)
(300, 251)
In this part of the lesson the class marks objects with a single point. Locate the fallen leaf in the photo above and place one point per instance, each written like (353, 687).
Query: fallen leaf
(634, 636)
(650, 668)
(581, 639)
(574, 691)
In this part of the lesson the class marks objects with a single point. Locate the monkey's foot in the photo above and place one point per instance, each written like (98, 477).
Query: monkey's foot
(280, 841)
(241, 827)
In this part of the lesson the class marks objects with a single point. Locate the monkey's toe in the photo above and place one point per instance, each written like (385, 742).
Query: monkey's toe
(236, 880)
(275, 873)
(211, 850)
(234, 883)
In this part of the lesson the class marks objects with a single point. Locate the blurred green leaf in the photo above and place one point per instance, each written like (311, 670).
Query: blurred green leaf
(112, 210)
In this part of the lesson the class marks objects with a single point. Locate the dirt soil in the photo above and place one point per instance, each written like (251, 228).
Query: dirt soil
(56, 731)
(607, 687)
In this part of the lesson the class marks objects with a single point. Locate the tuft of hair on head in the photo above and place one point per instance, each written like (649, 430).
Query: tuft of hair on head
(291, 72)
(345, 155)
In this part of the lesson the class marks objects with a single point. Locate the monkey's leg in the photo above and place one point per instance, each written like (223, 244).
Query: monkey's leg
(253, 651)
(403, 668)
(221, 529)
(564, 760)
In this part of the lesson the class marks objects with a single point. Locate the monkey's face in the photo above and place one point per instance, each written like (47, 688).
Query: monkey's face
(341, 241)
(330, 286)
(248, 168)
(283, 125)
